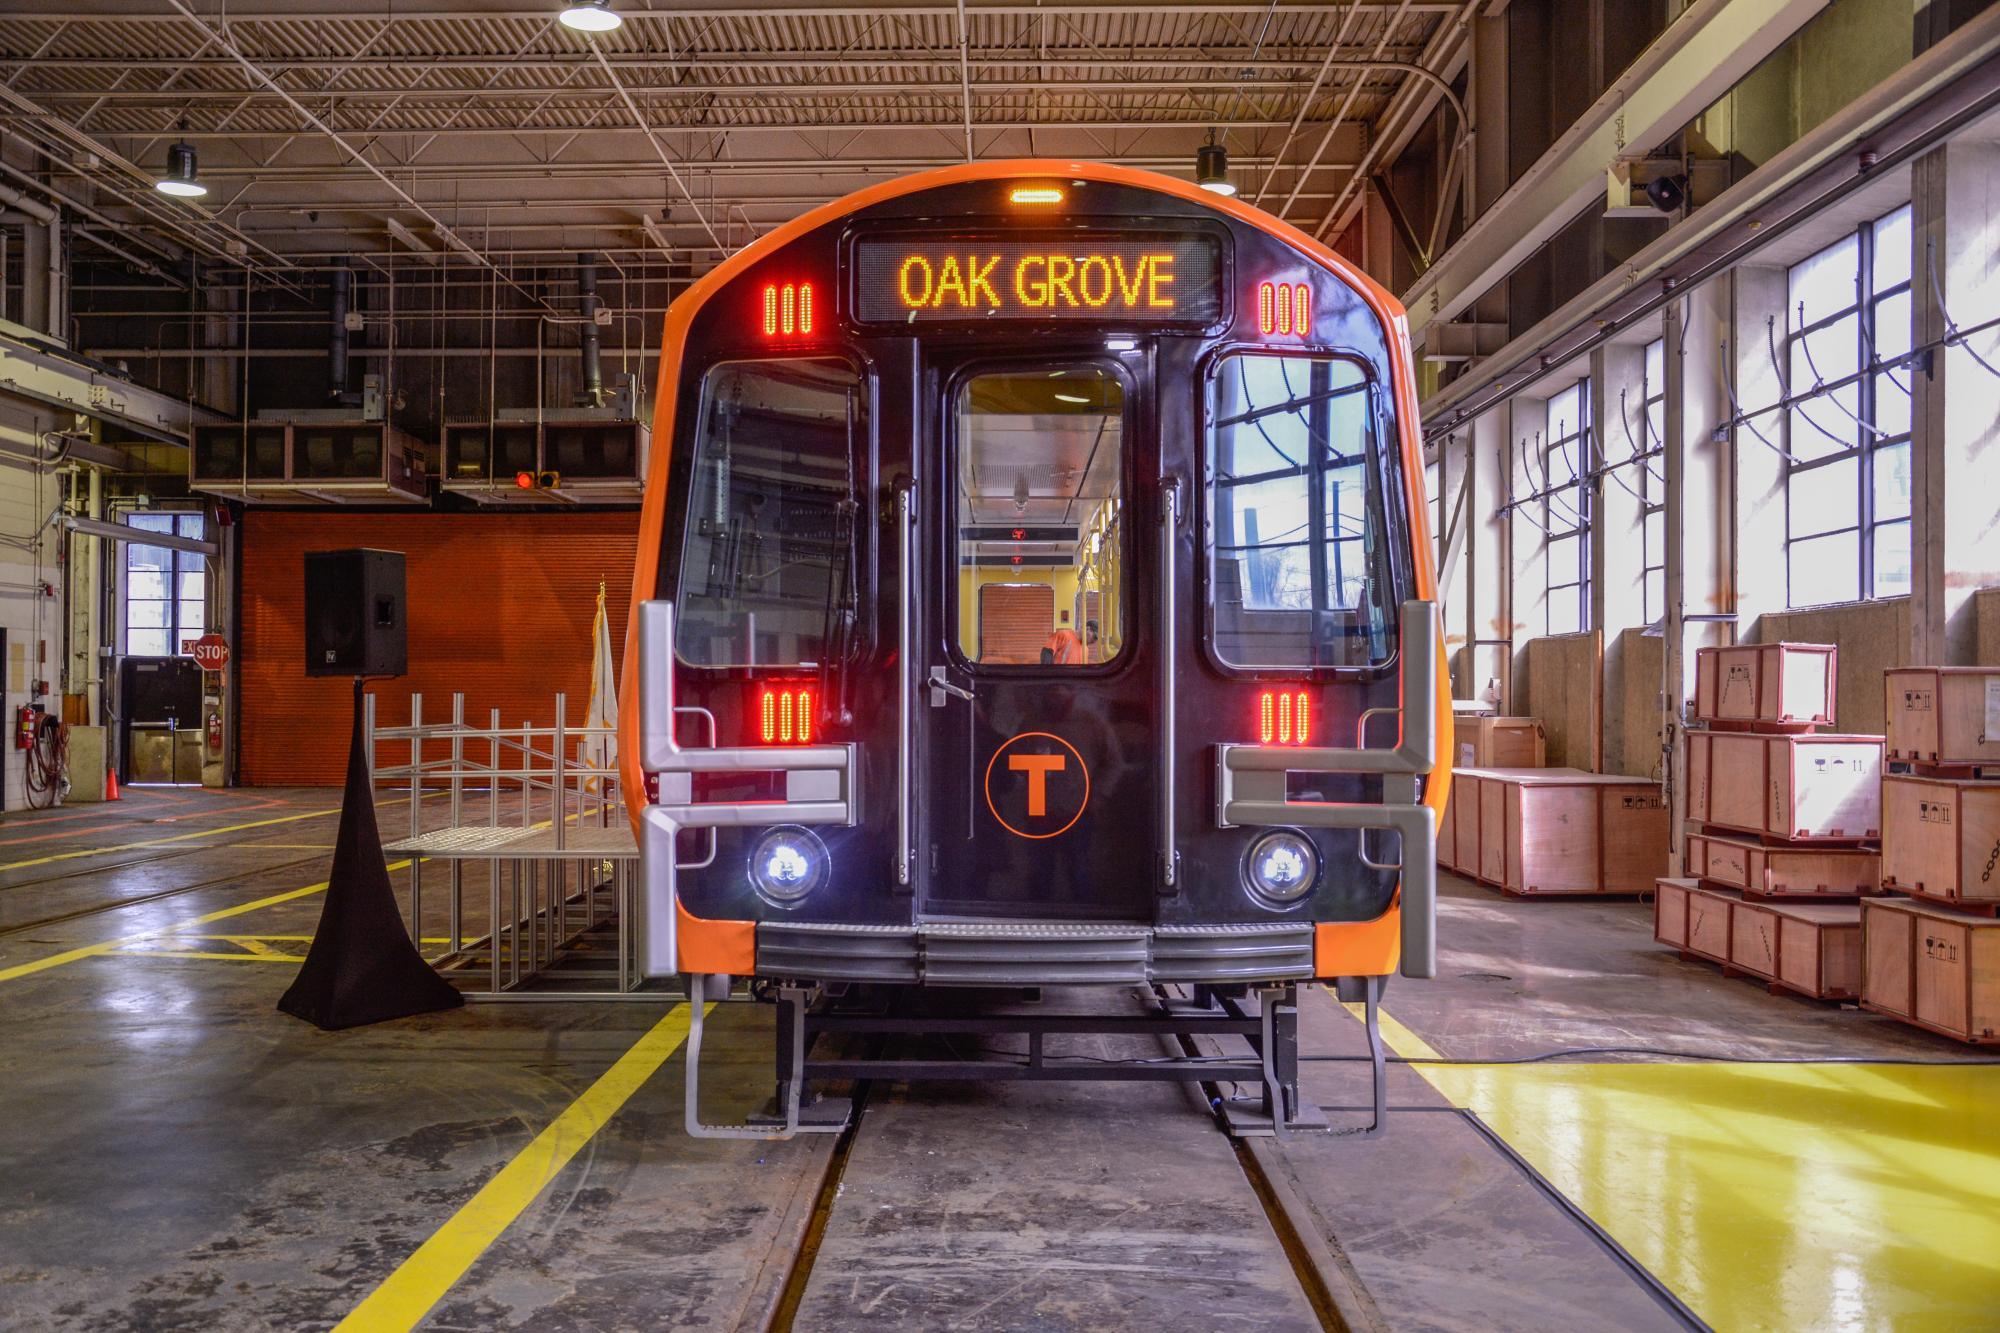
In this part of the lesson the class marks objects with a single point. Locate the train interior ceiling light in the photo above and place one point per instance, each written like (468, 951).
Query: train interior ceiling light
(590, 16)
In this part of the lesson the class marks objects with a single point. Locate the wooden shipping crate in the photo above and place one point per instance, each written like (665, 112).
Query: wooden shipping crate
(1463, 812)
(1932, 967)
(1804, 788)
(1560, 830)
(1708, 925)
(1502, 742)
(1777, 686)
(1783, 872)
(1943, 715)
(1812, 948)
(1670, 911)
(1941, 838)
(1447, 828)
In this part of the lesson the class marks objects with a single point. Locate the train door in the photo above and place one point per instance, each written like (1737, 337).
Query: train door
(1038, 784)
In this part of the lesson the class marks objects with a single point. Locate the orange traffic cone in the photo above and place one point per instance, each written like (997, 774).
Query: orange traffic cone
(111, 784)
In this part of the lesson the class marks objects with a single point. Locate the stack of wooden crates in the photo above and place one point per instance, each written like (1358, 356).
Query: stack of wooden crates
(1530, 830)
(1783, 817)
(1933, 957)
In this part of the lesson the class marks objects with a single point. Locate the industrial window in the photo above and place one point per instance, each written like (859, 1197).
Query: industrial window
(1565, 465)
(1653, 487)
(1040, 505)
(166, 591)
(768, 568)
(1298, 526)
(1847, 480)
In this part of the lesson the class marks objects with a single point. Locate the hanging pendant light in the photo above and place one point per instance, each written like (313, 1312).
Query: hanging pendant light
(180, 178)
(590, 16)
(1211, 167)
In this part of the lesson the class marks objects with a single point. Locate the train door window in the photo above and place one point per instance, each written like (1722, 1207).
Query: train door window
(769, 565)
(1300, 538)
(1040, 496)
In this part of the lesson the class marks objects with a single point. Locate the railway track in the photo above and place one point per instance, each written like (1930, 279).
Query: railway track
(98, 909)
(1239, 1178)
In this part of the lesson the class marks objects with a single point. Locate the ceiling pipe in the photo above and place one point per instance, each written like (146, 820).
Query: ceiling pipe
(592, 394)
(34, 208)
(341, 282)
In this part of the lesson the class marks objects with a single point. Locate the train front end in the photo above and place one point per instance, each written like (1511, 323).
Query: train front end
(1034, 589)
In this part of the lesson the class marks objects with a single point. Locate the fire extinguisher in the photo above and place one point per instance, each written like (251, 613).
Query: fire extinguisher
(27, 721)
(214, 732)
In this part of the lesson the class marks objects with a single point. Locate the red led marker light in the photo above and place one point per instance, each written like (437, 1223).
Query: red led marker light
(525, 480)
(788, 308)
(1284, 717)
(785, 714)
(1284, 308)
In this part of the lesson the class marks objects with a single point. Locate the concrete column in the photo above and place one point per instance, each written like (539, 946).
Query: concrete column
(1378, 238)
(1617, 573)
(44, 280)
(1488, 173)
(1955, 444)
(1700, 580)
(1527, 539)
(1489, 611)
(1757, 293)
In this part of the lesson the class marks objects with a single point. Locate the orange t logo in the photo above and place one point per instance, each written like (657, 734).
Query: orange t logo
(1037, 767)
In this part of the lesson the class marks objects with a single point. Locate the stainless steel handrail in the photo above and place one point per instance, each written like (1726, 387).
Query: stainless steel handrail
(660, 752)
(1169, 648)
(1251, 787)
(906, 689)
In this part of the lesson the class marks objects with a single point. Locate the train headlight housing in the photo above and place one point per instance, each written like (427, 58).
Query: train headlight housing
(787, 864)
(1281, 867)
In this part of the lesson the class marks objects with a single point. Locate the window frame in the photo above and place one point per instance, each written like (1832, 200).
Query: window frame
(949, 526)
(685, 466)
(1585, 516)
(1864, 307)
(1386, 443)
(179, 563)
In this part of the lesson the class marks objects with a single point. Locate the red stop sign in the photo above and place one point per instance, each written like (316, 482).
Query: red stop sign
(211, 652)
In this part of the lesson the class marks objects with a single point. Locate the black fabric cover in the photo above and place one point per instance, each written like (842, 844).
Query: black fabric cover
(362, 967)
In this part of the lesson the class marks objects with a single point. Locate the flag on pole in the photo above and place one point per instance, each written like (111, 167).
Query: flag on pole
(600, 747)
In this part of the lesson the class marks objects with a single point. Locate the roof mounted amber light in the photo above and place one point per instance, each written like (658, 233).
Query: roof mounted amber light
(1035, 194)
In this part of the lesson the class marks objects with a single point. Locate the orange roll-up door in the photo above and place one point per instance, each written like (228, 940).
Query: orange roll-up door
(500, 609)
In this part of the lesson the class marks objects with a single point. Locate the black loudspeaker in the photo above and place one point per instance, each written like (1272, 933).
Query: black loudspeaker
(355, 623)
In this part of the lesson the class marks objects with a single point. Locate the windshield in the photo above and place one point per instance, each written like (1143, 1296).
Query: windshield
(768, 566)
(1297, 525)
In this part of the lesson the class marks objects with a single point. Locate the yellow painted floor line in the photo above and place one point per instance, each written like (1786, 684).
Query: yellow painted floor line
(108, 946)
(422, 1280)
(1397, 1037)
(221, 957)
(205, 833)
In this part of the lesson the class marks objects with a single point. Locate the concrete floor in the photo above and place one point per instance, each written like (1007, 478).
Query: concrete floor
(179, 1155)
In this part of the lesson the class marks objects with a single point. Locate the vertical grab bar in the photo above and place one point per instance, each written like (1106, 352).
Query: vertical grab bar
(906, 689)
(1170, 503)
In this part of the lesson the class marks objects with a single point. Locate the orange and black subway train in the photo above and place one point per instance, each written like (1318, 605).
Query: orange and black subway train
(1034, 587)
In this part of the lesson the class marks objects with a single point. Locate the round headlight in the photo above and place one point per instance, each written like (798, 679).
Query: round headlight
(787, 864)
(1281, 867)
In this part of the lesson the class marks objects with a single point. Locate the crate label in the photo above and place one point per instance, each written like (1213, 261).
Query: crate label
(1919, 701)
(1992, 860)
(1739, 682)
(1934, 812)
(1992, 707)
(1940, 950)
(1466, 755)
